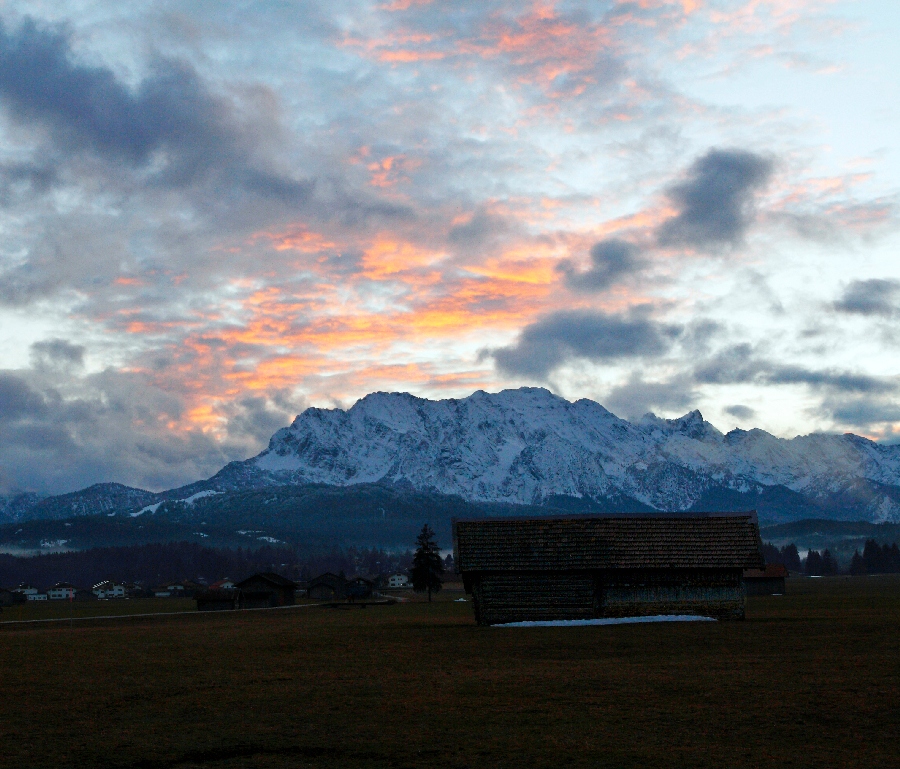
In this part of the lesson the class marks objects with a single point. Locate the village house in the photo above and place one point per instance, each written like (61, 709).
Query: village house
(108, 589)
(765, 581)
(25, 589)
(61, 591)
(222, 584)
(582, 567)
(397, 581)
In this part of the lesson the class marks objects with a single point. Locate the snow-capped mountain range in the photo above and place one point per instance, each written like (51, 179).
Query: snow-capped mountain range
(528, 446)
(531, 447)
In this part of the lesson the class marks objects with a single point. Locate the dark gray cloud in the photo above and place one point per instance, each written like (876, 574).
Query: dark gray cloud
(18, 180)
(739, 364)
(740, 411)
(612, 260)
(170, 119)
(18, 399)
(863, 412)
(57, 352)
(870, 297)
(716, 203)
(480, 228)
(62, 432)
(562, 336)
(637, 396)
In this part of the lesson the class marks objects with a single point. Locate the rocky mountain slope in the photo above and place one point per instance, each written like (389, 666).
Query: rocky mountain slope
(530, 447)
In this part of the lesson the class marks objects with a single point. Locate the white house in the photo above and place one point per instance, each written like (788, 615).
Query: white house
(61, 591)
(108, 590)
(398, 580)
(36, 596)
(25, 589)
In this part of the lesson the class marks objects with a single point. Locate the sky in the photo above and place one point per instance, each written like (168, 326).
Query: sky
(216, 214)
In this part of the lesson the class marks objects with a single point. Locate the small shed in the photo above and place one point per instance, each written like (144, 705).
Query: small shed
(582, 567)
(266, 590)
(217, 600)
(327, 587)
(766, 581)
(359, 587)
(11, 597)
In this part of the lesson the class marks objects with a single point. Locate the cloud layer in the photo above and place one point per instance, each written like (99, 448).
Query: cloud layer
(213, 215)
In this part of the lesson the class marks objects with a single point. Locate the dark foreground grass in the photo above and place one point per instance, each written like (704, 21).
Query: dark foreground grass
(809, 680)
(39, 610)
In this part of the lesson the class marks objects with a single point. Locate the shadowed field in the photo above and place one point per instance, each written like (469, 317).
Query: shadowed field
(37, 610)
(811, 679)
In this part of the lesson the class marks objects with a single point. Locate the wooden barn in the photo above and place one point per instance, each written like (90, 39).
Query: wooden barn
(766, 581)
(327, 587)
(266, 590)
(584, 567)
(217, 600)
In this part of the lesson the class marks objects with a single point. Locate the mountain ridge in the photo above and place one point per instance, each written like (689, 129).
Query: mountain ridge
(533, 448)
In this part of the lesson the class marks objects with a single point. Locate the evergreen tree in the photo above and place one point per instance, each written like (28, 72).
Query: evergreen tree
(872, 557)
(893, 559)
(814, 563)
(427, 567)
(790, 557)
(857, 565)
(829, 564)
(770, 553)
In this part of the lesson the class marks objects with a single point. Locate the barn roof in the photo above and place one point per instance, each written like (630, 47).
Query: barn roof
(273, 579)
(608, 542)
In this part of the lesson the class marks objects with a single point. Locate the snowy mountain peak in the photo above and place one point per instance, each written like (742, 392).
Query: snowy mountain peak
(528, 445)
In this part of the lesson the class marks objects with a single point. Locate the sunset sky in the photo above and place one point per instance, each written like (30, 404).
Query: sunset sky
(215, 214)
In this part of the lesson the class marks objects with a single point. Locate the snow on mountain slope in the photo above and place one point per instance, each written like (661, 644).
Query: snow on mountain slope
(526, 445)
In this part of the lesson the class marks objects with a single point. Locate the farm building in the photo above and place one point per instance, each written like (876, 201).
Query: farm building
(327, 587)
(582, 567)
(765, 581)
(359, 587)
(10, 597)
(266, 590)
(217, 600)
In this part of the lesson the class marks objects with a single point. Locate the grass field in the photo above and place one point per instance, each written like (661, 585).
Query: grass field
(35, 610)
(811, 679)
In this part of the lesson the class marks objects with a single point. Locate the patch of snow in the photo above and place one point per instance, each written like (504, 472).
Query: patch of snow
(460, 600)
(199, 495)
(269, 539)
(148, 509)
(53, 542)
(201, 534)
(609, 621)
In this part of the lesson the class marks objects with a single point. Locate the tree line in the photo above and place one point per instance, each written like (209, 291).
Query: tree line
(874, 559)
(155, 564)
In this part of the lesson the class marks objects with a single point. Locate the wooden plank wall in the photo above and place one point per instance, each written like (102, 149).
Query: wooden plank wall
(518, 596)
